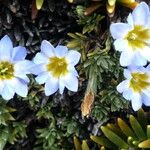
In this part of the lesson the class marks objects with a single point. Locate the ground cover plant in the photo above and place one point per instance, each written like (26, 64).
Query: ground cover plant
(73, 73)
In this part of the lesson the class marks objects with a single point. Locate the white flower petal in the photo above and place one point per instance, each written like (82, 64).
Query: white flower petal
(127, 73)
(1, 86)
(138, 59)
(148, 22)
(72, 69)
(146, 99)
(123, 86)
(6, 48)
(145, 52)
(42, 78)
(73, 57)
(8, 92)
(47, 48)
(19, 53)
(147, 91)
(127, 94)
(61, 51)
(119, 30)
(134, 68)
(71, 82)
(130, 20)
(136, 101)
(140, 14)
(22, 77)
(51, 86)
(147, 70)
(20, 86)
(38, 69)
(126, 58)
(61, 86)
(40, 58)
(23, 67)
(121, 45)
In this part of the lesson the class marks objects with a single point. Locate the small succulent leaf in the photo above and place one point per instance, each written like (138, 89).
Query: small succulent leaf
(135, 143)
(142, 119)
(113, 137)
(137, 128)
(130, 141)
(74, 36)
(103, 141)
(148, 131)
(144, 144)
(39, 4)
(102, 148)
(125, 128)
(116, 130)
(111, 2)
(85, 145)
(73, 44)
(77, 143)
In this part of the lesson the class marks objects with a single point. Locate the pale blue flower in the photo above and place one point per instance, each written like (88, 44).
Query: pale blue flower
(136, 87)
(132, 39)
(13, 69)
(55, 68)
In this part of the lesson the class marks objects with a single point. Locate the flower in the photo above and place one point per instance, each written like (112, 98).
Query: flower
(55, 68)
(133, 38)
(13, 69)
(136, 87)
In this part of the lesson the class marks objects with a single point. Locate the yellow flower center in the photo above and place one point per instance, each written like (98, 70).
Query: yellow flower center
(6, 70)
(139, 82)
(137, 38)
(57, 66)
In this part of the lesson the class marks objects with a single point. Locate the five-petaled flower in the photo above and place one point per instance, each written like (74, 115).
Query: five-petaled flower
(133, 38)
(136, 87)
(55, 68)
(13, 69)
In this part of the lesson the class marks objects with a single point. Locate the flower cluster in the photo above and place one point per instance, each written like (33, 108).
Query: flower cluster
(132, 39)
(54, 67)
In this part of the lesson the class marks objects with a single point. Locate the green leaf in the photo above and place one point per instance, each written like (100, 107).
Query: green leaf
(103, 141)
(142, 119)
(144, 144)
(114, 138)
(77, 143)
(102, 148)
(148, 131)
(85, 145)
(39, 4)
(137, 128)
(125, 128)
(71, 127)
(101, 113)
(116, 130)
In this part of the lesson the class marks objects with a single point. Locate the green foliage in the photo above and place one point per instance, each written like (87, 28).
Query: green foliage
(113, 99)
(108, 100)
(103, 72)
(33, 97)
(97, 64)
(90, 23)
(11, 130)
(5, 113)
(16, 130)
(101, 113)
(58, 132)
(101, 68)
(121, 135)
